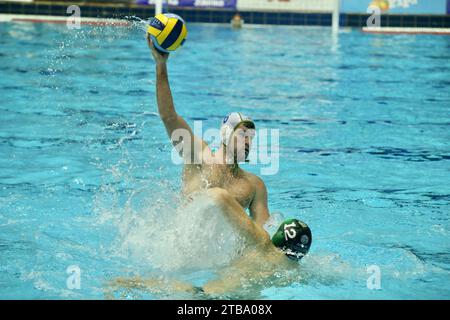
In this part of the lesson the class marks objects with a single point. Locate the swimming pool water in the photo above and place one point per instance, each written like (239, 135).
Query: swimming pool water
(364, 126)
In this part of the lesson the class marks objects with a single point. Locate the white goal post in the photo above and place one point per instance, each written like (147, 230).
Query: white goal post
(318, 6)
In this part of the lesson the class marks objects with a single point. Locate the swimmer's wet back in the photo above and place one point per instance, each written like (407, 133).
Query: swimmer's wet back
(294, 238)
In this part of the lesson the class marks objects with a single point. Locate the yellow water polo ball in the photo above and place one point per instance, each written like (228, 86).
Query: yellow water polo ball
(382, 4)
(168, 31)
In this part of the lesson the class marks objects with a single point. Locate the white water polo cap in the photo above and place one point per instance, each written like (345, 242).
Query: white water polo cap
(230, 124)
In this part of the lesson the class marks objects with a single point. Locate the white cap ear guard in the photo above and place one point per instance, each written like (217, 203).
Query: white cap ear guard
(230, 123)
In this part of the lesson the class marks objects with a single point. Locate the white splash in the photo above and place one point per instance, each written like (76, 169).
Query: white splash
(192, 235)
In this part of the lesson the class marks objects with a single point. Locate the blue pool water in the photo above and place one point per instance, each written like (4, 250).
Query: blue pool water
(86, 177)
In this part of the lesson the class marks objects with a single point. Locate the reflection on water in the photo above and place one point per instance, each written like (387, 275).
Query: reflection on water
(86, 177)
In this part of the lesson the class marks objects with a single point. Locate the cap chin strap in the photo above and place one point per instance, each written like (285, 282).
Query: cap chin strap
(226, 155)
(292, 254)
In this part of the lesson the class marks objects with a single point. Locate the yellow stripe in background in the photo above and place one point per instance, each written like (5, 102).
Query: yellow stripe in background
(165, 33)
(182, 35)
(153, 31)
(161, 17)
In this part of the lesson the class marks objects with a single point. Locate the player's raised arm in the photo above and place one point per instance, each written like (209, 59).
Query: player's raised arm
(177, 128)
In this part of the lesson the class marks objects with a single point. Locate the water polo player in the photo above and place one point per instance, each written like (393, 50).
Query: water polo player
(261, 262)
(262, 257)
(233, 190)
(204, 169)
